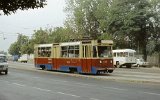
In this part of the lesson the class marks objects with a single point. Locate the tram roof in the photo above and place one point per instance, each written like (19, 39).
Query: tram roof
(70, 43)
(107, 41)
(44, 45)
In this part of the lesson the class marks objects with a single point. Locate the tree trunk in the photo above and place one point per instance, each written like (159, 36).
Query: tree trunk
(144, 47)
(159, 59)
(144, 51)
(144, 44)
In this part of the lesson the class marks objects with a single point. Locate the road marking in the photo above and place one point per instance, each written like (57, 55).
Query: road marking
(68, 94)
(93, 99)
(152, 93)
(22, 85)
(60, 81)
(113, 88)
(36, 77)
(85, 84)
(46, 90)
(116, 88)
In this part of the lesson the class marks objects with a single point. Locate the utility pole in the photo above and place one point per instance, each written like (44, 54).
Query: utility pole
(3, 36)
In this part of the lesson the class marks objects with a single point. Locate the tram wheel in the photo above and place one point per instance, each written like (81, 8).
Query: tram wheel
(98, 72)
(110, 71)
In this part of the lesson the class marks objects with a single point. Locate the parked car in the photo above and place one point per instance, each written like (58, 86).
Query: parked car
(23, 58)
(3, 64)
(141, 63)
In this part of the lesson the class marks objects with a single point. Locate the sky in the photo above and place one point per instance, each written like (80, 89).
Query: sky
(25, 22)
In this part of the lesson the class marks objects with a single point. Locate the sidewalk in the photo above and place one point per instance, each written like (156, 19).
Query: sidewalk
(140, 75)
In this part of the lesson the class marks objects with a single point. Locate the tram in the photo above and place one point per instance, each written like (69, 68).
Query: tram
(86, 56)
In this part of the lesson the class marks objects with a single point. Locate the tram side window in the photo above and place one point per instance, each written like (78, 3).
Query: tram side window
(77, 51)
(70, 51)
(39, 52)
(44, 51)
(64, 51)
(48, 51)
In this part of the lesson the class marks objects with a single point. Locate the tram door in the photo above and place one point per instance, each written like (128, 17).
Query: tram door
(55, 57)
(86, 59)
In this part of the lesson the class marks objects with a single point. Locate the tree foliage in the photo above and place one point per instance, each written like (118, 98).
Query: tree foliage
(86, 16)
(132, 18)
(130, 22)
(14, 49)
(40, 36)
(24, 45)
(11, 6)
(20, 46)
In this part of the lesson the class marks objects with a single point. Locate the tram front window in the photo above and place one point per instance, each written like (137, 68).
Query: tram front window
(104, 51)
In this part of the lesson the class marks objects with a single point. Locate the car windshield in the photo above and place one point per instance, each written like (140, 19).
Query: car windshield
(141, 60)
(2, 58)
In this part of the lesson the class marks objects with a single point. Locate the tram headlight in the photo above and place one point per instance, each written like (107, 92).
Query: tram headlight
(100, 61)
(111, 61)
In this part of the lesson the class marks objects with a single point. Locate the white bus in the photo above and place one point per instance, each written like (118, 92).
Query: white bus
(124, 57)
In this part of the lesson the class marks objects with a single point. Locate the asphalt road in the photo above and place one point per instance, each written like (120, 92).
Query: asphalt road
(143, 75)
(42, 85)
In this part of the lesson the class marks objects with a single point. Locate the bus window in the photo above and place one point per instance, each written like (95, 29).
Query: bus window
(125, 54)
(131, 54)
(118, 54)
(114, 54)
(121, 54)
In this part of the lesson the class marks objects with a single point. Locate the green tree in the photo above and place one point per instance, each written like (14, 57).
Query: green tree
(156, 34)
(84, 16)
(130, 23)
(19, 47)
(40, 36)
(132, 18)
(11, 6)
(14, 49)
(61, 34)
